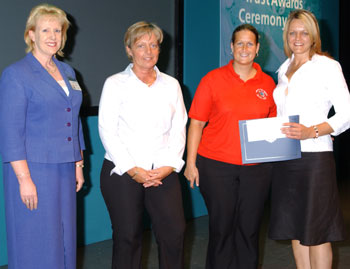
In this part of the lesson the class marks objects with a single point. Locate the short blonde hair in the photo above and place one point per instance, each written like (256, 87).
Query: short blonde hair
(139, 29)
(45, 10)
(311, 25)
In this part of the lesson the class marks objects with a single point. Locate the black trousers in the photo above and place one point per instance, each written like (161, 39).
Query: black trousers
(235, 196)
(126, 200)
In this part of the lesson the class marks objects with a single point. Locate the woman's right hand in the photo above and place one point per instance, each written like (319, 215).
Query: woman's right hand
(142, 176)
(193, 139)
(27, 188)
(192, 175)
(29, 196)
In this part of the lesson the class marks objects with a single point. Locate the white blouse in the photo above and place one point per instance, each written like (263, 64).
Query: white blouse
(314, 88)
(63, 86)
(140, 125)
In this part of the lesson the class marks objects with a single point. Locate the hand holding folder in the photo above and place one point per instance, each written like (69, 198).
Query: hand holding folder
(263, 141)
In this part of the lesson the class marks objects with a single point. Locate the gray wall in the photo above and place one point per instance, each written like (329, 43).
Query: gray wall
(95, 43)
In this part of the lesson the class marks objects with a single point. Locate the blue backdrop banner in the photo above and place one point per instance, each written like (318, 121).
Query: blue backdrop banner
(269, 18)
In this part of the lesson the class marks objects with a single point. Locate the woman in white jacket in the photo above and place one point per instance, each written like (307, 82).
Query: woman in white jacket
(142, 121)
(305, 203)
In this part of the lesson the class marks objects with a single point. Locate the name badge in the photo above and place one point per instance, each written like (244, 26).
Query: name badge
(75, 85)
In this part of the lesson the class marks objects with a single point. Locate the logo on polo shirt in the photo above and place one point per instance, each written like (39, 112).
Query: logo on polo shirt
(261, 94)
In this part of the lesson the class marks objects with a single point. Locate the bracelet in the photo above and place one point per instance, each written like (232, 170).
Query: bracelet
(19, 175)
(79, 165)
(316, 131)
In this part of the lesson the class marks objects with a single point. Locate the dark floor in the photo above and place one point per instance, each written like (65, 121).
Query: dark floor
(274, 255)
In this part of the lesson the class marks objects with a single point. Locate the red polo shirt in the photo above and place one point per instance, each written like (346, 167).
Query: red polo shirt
(222, 99)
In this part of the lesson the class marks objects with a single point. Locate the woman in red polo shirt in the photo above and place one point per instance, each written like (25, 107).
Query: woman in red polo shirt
(234, 193)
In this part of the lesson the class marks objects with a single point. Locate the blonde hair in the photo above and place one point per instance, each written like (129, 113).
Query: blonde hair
(45, 10)
(139, 29)
(310, 22)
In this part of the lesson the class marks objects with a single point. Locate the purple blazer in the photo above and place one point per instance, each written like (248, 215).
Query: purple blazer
(38, 121)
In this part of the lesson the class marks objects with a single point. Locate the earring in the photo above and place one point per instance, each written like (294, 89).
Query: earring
(257, 54)
(231, 52)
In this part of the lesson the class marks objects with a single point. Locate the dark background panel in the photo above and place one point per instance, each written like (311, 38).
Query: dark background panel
(344, 32)
(95, 46)
(342, 142)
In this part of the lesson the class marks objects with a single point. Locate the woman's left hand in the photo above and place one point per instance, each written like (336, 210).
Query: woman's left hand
(157, 175)
(79, 176)
(297, 131)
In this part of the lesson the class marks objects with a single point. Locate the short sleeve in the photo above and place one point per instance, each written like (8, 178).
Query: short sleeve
(203, 101)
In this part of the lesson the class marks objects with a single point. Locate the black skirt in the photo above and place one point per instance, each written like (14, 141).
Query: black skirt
(304, 200)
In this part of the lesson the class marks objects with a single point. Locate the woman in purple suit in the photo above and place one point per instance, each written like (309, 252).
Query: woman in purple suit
(41, 147)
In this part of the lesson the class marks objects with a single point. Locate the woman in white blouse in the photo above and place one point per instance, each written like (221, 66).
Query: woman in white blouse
(305, 203)
(142, 120)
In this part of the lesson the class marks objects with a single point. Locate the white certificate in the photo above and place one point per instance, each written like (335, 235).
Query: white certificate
(263, 141)
(268, 129)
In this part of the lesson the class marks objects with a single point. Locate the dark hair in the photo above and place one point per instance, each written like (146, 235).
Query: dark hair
(245, 27)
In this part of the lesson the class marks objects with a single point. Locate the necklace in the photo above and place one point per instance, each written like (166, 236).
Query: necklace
(51, 70)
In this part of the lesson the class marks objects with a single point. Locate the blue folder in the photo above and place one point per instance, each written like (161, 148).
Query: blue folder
(281, 149)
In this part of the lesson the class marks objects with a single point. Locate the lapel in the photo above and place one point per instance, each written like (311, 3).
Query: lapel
(66, 78)
(41, 74)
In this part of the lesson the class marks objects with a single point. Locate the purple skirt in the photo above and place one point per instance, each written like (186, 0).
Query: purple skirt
(46, 237)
